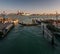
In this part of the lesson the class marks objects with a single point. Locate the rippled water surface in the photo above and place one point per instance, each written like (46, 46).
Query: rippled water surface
(28, 40)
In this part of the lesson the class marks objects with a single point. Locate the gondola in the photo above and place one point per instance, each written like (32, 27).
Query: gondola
(28, 24)
(39, 22)
(57, 34)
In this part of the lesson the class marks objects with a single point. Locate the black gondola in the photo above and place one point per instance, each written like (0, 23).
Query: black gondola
(57, 34)
(39, 22)
(28, 24)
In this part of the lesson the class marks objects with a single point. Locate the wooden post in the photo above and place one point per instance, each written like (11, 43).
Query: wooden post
(52, 41)
(56, 19)
(43, 30)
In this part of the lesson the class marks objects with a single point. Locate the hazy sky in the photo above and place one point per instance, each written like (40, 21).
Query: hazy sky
(32, 6)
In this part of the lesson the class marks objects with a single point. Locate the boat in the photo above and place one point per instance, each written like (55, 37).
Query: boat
(39, 22)
(28, 24)
(57, 34)
(5, 28)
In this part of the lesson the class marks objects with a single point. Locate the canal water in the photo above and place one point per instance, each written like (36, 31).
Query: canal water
(27, 40)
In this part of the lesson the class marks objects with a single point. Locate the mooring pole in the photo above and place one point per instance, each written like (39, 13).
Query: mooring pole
(56, 19)
(43, 30)
(52, 41)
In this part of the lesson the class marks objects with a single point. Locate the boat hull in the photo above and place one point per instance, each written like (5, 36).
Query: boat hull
(29, 24)
(39, 22)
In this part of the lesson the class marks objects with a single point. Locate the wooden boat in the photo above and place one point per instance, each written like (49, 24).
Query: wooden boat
(39, 22)
(28, 24)
(57, 34)
(5, 29)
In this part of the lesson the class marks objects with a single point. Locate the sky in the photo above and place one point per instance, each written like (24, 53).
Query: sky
(30, 6)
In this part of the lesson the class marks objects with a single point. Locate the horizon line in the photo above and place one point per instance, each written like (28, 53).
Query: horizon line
(30, 12)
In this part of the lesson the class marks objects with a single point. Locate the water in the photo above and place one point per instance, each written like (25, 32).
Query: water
(27, 40)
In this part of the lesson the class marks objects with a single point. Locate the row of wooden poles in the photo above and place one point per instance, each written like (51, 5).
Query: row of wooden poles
(52, 40)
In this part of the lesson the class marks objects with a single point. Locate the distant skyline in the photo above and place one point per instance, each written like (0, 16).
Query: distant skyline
(30, 6)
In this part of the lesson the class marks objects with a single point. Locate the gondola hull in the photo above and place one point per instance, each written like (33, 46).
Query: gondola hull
(39, 22)
(28, 24)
